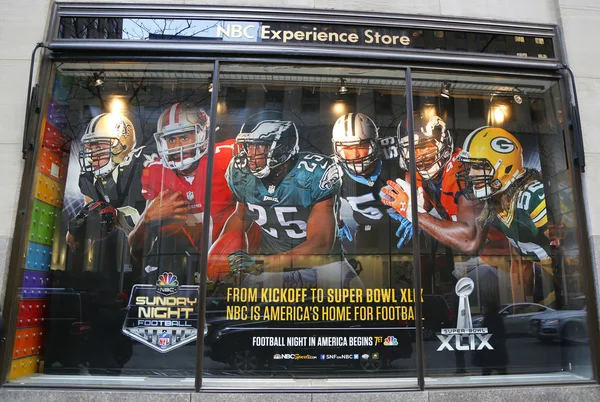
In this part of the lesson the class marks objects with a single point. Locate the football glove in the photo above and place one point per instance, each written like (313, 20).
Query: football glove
(95, 221)
(404, 232)
(345, 232)
(241, 262)
(397, 195)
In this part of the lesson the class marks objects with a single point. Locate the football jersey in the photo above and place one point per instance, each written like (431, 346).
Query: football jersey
(374, 226)
(526, 220)
(120, 188)
(282, 210)
(156, 178)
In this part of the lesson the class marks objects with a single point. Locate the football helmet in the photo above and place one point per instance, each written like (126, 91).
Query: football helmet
(266, 136)
(177, 120)
(492, 159)
(107, 141)
(354, 131)
(433, 145)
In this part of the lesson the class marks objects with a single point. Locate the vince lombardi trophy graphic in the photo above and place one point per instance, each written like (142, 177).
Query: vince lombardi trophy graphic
(464, 287)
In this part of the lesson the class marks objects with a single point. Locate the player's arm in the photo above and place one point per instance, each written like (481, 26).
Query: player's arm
(169, 208)
(320, 230)
(238, 220)
(320, 236)
(463, 234)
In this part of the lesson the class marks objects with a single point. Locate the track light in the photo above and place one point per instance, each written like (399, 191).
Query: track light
(342, 89)
(445, 91)
(98, 79)
(517, 96)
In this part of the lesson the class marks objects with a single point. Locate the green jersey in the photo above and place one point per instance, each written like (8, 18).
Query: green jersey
(526, 221)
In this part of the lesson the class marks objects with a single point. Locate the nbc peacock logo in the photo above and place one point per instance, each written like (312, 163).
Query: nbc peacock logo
(167, 284)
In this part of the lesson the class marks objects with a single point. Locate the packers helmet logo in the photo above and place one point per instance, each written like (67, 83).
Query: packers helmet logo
(502, 145)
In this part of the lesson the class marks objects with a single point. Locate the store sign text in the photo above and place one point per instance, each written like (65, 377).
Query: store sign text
(267, 33)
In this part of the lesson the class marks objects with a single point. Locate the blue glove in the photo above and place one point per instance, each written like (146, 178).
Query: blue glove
(404, 232)
(241, 262)
(345, 232)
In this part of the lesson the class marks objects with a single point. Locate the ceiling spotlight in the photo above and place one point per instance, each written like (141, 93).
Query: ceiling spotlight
(445, 91)
(210, 87)
(518, 99)
(342, 89)
(98, 79)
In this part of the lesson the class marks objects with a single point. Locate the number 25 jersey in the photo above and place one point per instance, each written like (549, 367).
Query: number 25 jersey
(282, 211)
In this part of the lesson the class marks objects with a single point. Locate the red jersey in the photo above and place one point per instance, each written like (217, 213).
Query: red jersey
(157, 178)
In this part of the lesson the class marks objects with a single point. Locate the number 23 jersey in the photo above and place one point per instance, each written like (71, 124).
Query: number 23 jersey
(282, 211)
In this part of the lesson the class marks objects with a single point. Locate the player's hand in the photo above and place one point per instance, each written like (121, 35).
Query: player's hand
(404, 232)
(345, 232)
(397, 195)
(241, 262)
(169, 210)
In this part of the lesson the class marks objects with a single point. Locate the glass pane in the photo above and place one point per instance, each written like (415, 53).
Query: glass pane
(113, 248)
(305, 277)
(499, 240)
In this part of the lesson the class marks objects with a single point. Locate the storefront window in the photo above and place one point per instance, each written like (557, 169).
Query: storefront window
(310, 265)
(110, 281)
(305, 276)
(500, 231)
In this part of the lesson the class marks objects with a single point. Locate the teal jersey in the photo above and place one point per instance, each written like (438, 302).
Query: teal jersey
(526, 221)
(282, 211)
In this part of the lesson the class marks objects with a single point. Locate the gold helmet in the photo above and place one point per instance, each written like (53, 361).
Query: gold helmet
(107, 141)
(492, 159)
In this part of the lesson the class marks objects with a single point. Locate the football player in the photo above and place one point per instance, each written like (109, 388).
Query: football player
(444, 213)
(514, 202)
(367, 165)
(169, 231)
(108, 170)
(292, 196)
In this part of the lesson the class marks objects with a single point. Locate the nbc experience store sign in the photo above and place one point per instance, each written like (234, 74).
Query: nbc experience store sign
(313, 33)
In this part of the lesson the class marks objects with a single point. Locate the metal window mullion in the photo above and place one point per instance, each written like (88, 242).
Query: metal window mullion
(585, 254)
(206, 228)
(415, 227)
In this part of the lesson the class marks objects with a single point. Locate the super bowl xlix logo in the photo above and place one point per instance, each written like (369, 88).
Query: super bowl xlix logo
(465, 337)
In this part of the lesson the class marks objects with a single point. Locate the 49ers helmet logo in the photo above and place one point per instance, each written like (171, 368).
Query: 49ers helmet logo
(502, 145)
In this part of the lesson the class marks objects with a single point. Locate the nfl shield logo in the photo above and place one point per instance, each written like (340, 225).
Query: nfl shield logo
(271, 189)
(164, 340)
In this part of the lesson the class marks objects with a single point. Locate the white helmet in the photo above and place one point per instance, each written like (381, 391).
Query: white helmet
(353, 129)
(433, 145)
(108, 139)
(176, 120)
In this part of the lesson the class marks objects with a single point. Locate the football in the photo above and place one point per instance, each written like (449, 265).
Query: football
(218, 267)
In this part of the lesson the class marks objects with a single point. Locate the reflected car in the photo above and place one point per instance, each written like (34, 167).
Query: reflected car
(68, 329)
(567, 325)
(516, 317)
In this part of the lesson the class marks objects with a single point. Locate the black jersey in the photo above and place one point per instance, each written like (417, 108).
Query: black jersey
(121, 188)
(373, 228)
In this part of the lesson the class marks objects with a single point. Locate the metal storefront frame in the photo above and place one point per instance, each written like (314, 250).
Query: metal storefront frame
(218, 53)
